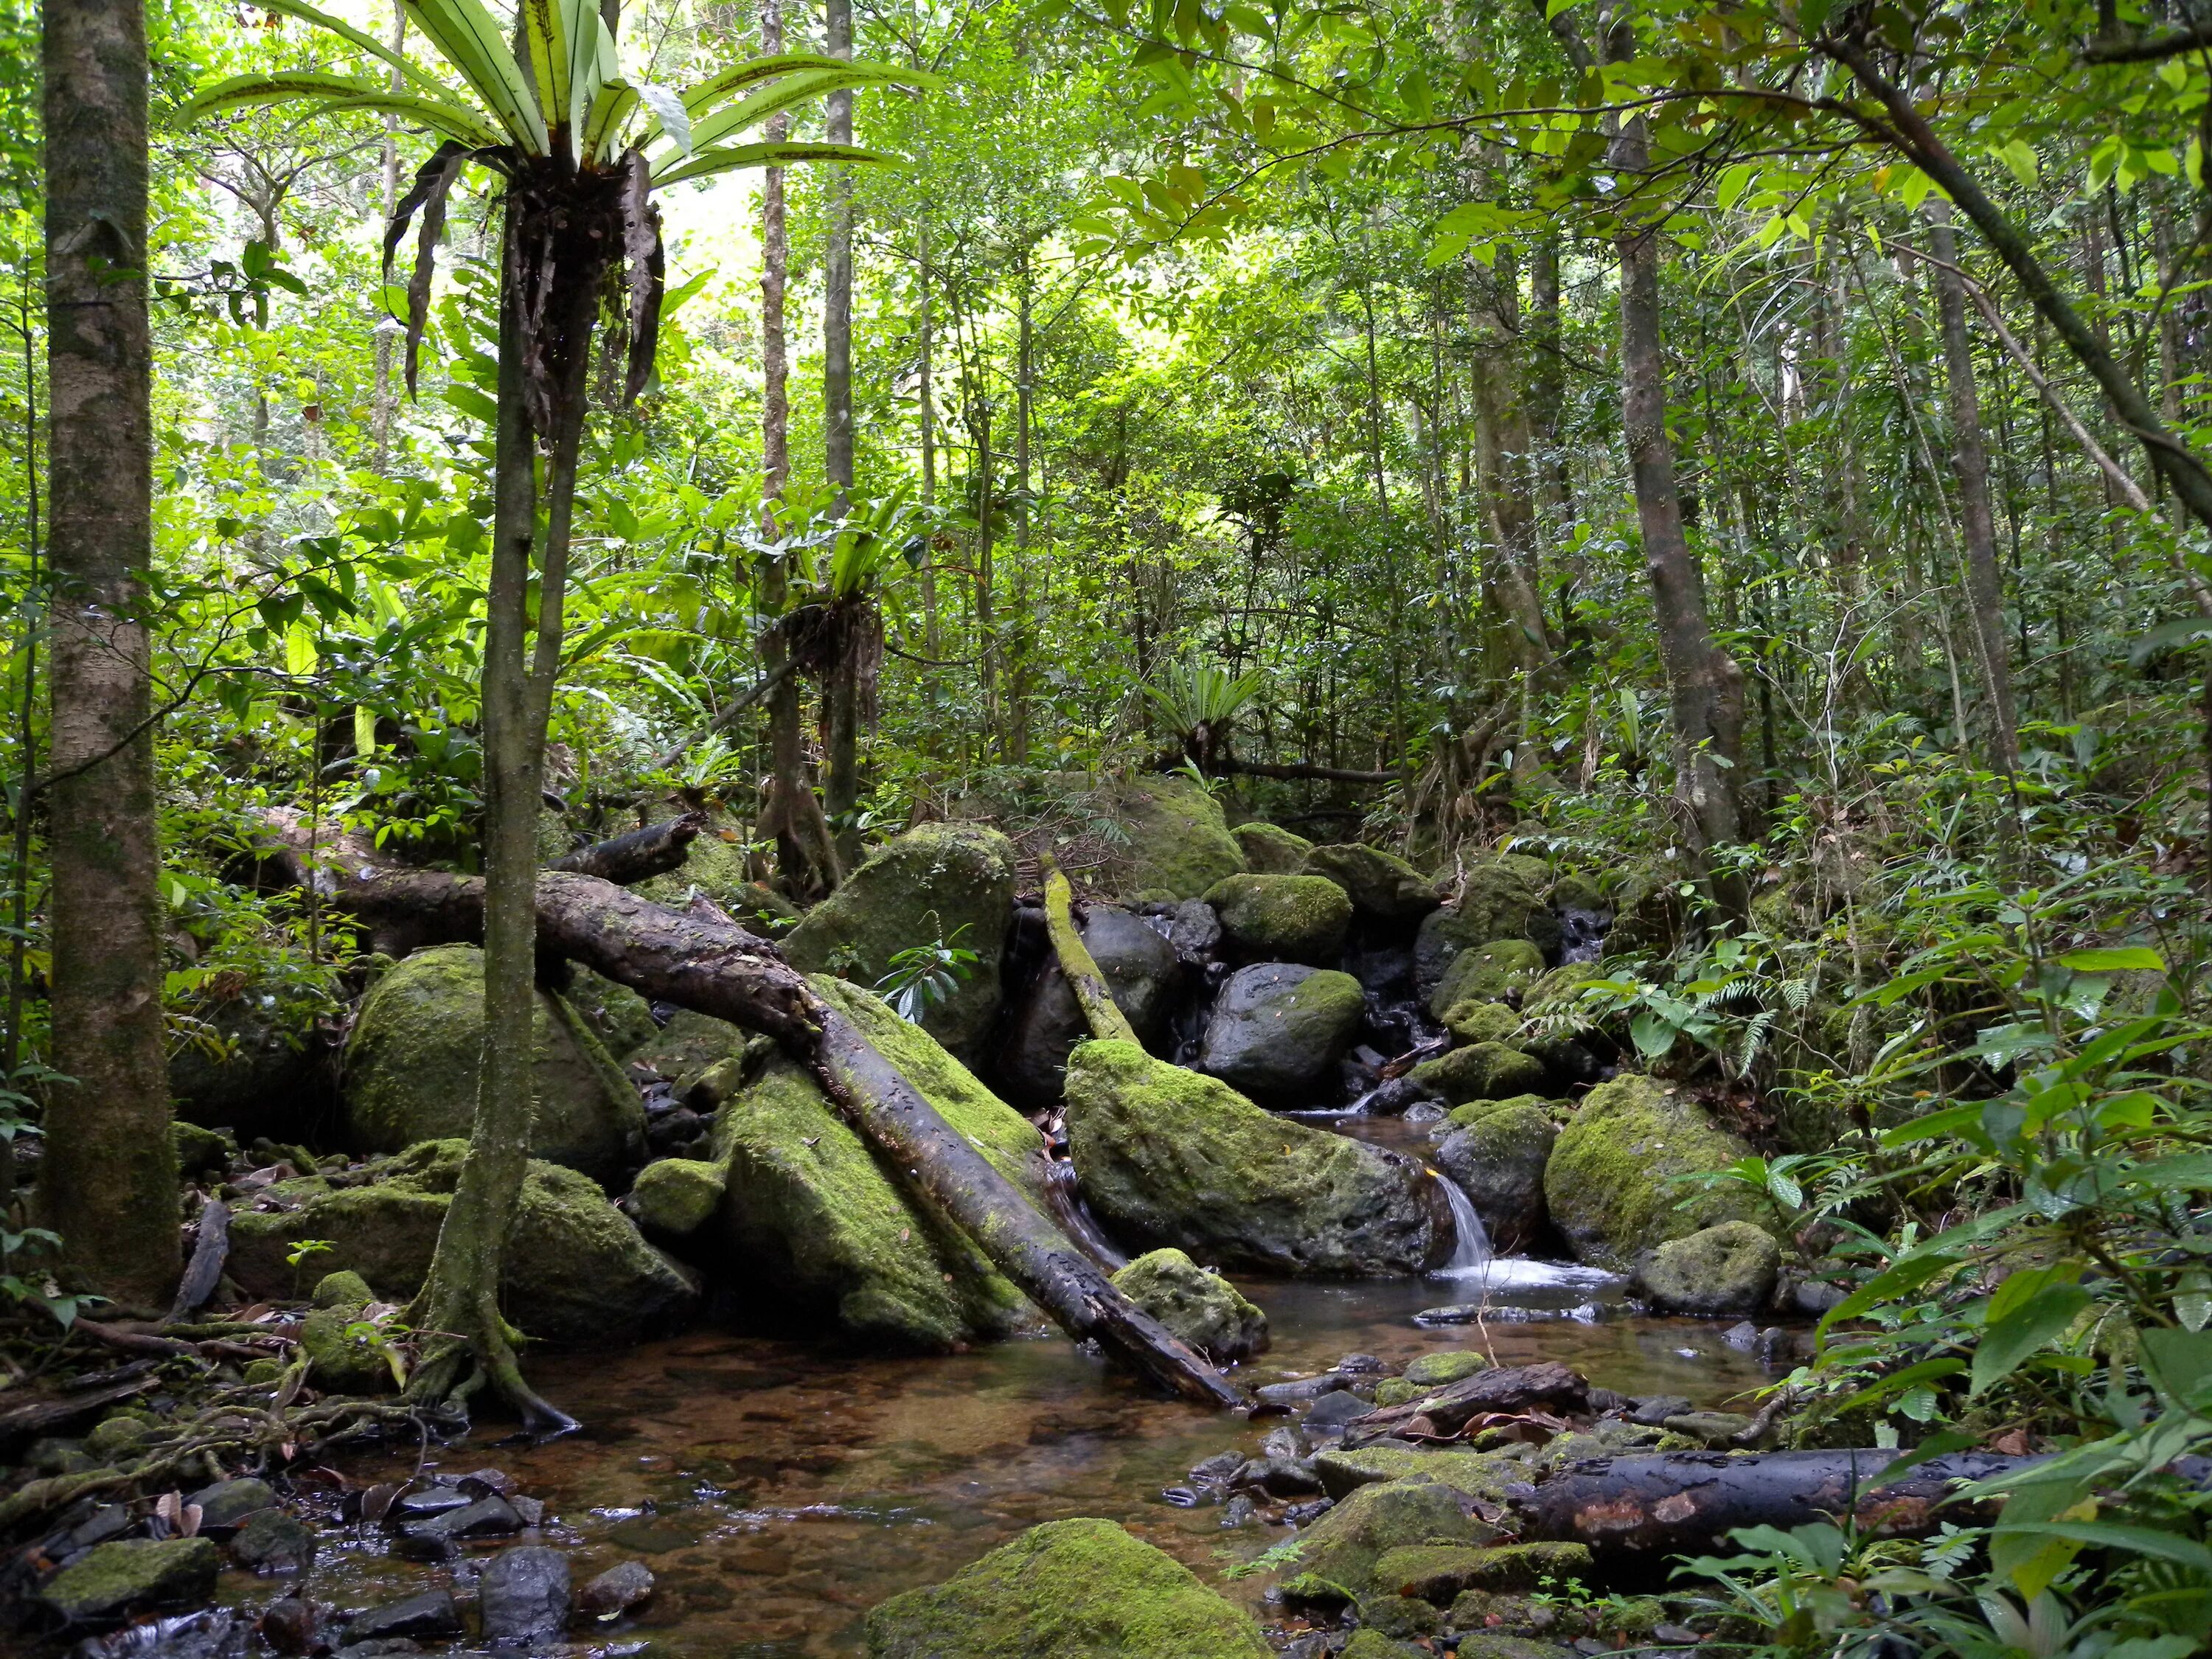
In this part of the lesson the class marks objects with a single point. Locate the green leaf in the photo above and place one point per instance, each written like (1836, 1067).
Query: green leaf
(1734, 181)
(2179, 1363)
(467, 37)
(2008, 1343)
(551, 51)
(2107, 1534)
(731, 157)
(2122, 959)
(361, 40)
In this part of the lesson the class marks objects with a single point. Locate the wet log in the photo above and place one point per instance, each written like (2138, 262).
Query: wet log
(1551, 1388)
(1641, 1510)
(707, 963)
(653, 850)
(204, 1271)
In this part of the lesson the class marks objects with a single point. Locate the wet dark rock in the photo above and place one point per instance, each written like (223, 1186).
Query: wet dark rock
(1217, 1470)
(189, 1636)
(1394, 1095)
(487, 1517)
(1715, 1429)
(1815, 1297)
(271, 1540)
(1775, 1346)
(226, 1503)
(384, 1647)
(430, 1614)
(1496, 1153)
(531, 1510)
(1425, 1111)
(1278, 1030)
(131, 1574)
(1357, 1363)
(1742, 1336)
(1654, 1409)
(1142, 971)
(1334, 1411)
(674, 1131)
(487, 1483)
(1195, 930)
(1603, 1401)
(292, 1624)
(1238, 1511)
(108, 1521)
(430, 1500)
(1280, 1477)
(1304, 1515)
(522, 1594)
(1181, 1498)
(617, 1589)
(1302, 1389)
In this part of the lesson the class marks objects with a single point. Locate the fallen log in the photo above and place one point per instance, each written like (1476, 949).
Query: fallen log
(1632, 1510)
(707, 963)
(643, 854)
(1550, 1387)
(210, 1251)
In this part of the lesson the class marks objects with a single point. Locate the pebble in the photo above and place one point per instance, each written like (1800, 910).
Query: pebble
(226, 1503)
(1304, 1515)
(271, 1541)
(1652, 1410)
(1304, 1389)
(522, 1594)
(430, 1612)
(431, 1500)
(619, 1588)
(1742, 1335)
(1239, 1511)
(1357, 1362)
(487, 1483)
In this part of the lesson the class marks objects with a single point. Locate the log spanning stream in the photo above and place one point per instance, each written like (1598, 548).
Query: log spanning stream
(777, 1490)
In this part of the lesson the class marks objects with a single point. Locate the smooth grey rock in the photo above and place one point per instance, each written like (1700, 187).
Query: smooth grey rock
(522, 1594)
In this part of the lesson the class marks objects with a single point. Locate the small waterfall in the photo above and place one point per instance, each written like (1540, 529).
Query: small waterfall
(1471, 1254)
(1065, 1199)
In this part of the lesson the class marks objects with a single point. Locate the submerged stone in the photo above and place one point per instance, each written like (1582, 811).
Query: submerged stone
(1202, 1309)
(1609, 1181)
(1282, 918)
(418, 1043)
(1069, 1589)
(949, 882)
(1170, 1157)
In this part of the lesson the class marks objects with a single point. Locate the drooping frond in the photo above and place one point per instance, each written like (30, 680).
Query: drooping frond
(731, 158)
(323, 91)
(434, 181)
(649, 271)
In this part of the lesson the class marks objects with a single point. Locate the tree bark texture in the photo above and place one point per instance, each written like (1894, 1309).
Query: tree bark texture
(714, 967)
(108, 1182)
(842, 689)
(1970, 460)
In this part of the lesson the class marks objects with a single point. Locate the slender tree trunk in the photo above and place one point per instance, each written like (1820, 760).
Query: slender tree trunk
(841, 689)
(1018, 653)
(1970, 460)
(384, 399)
(27, 745)
(108, 1182)
(1547, 380)
(790, 814)
(926, 375)
(986, 627)
(1705, 685)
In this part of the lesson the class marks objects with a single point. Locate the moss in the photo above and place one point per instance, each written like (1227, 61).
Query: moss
(1069, 1589)
(343, 1289)
(1489, 971)
(1484, 1071)
(111, 1580)
(1374, 1645)
(1283, 918)
(1439, 1573)
(1488, 1644)
(810, 1211)
(1278, 1030)
(1498, 1159)
(1609, 1181)
(690, 1045)
(953, 882)
(1202, 1309)
(1472, 1475)
(1647, 907)
(116, 1437)
(1171, 1157)
(1270, 850)
(1446, 1365)
(1342, 1549)
(339, 1359)
(715, 863)
(674, 1197)
(1480, 1020)
(1500, 897)
(200, 1151)
(1382, 884)
(1397, 1391)
(1466, 1117)
(412, 1064)
(1726, 1269)
(1179, 844)
(616, 1015)
(577, 1270)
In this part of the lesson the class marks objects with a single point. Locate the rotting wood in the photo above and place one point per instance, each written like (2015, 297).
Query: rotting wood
(1443, 1415)
(656, 849)
(711, 966)
(1076, 965)
(210, 1251)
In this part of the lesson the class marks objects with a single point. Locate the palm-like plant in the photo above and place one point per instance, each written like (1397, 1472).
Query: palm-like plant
(579, 146)
(1201, 703)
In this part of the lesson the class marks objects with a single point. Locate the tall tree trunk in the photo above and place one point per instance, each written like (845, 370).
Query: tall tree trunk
(108, 1182)
(1548, 379)
(1705, 685)
(926, 376)
(987, 625)
(790, 814)
(1017, 644)
(1970, 460)
(840, 690)
(384, 399)
(460, 1298)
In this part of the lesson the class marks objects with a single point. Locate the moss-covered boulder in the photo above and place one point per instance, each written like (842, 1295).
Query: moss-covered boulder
(110, 1581)
(1270, 849)
(1482, 1071)
(1141, 970)
(1203, 1308)
(1179, 844)
(811, 1216)
(688, 1047)
(412, 1060)
(1487, 972)
(1068, 1589)
(1276, 1032)
(344, 1345)
(714, 866)
(1609, 1183)
(1483, 1475)
(1728, 1269)
(1477, 1019)
(617, 1016)
(1170, 1157)
(1282, 918)
(1649, 907)
(953, 882)
(1335, 1559)
(1498, 1159)
(577, 1270)
(1499, 897)
(1440, 1573)
(1383, 886)
(673, 1197)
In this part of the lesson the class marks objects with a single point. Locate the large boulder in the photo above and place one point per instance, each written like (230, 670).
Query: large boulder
(1728, 1269)
(1278, 1030)
(1383, 886)
(1488, 972)
(256, 1064)
(1482, 1071)
(1170, 1157)
(1270, 849)
(1497, 1152)
(1202, 1309)
(1610, 1183)
(1335, 1559)
(577, 1270)
(110, 1581)
(810, 1216)
(953, 882)
(412, 1060)
(1068, 1589)
(1500, 897)
(1282, 918)
(1141, 970)
(1179, 844)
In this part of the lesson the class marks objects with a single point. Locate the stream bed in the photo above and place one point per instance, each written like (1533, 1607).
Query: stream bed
(777, 1491)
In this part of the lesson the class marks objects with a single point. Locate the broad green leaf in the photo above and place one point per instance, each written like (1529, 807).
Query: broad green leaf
(670, 120)
(2120, 959)
(789, 93)
(549, 45)
(603, 126)
(364, 730)
(358, 39)
(468, 38)
(2180, 1363)
(450, 120)
(2008, 1343)
(1734, 181)
(2105, 1534)
(731, 157)
(301, 655)
(2022, 1288)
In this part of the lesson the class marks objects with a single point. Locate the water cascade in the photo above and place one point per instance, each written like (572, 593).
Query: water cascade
(1471, 1253)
